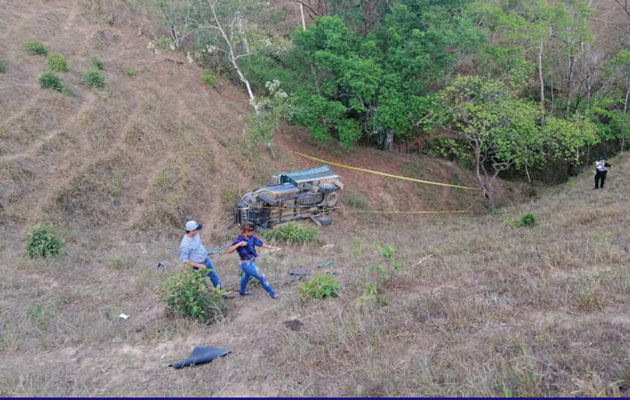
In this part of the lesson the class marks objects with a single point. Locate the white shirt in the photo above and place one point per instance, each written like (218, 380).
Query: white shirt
(191, 249)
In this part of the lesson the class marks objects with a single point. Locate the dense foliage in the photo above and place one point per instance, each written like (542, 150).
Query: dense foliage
(187, 294)
(387, 72)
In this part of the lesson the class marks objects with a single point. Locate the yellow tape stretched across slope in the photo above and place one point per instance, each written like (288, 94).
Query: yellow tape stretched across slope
(345, 210)
(386, 174)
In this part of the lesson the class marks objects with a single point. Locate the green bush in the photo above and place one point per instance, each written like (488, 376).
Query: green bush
(36, 47)
(320, 287)
(42, 241)
(97, 64)
(94, 78)
(208, 77)
(186, 294)
(292, 233)
(48, 80)
(57, 62)
(130, 71)
(2, 66)
(527, 220)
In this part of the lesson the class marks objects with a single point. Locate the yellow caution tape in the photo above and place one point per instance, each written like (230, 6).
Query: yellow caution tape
(405, 212)
(385, 174)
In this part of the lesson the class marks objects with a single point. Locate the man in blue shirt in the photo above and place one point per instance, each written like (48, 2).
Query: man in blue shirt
(245, 244)
(193, 254)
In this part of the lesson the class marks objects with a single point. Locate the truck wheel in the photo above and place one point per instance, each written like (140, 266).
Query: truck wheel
(327, 187)
(325, 220)
(330, 200)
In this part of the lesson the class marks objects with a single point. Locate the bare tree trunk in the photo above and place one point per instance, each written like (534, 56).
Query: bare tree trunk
(302, 15)
(540, 77)
(570, 77)
(529, 179)
(489, 197)
(232, 57)
(241, 31)
(389, 141)
(625, 110)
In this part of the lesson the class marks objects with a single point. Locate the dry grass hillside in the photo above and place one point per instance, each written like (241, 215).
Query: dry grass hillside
(477, 308)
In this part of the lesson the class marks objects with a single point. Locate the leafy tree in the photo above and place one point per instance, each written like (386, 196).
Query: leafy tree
(503, 132)
(565, 139)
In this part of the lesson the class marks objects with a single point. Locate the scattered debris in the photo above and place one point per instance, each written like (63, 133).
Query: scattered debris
(123, 316)
(293, 324)
(334, 272)
(424, 259)
(162, 265)
(299, 271)
(201, 355)
(325, 264)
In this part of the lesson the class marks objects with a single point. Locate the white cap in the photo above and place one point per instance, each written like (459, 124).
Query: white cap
(192, 225)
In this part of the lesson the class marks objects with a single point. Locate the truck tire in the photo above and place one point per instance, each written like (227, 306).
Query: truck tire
(330, 199)
(324, 220)
(327, 187)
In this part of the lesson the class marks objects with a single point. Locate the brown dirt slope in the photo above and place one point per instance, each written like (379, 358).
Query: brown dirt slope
(466, 305)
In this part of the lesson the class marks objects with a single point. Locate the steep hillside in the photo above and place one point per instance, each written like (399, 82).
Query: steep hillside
(477, 308)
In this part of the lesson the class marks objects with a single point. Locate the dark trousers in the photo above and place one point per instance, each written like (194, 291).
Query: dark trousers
(600, 176)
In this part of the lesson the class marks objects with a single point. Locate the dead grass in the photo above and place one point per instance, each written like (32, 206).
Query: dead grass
(477, 309)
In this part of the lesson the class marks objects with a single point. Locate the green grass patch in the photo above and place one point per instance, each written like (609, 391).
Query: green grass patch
(57, 62)
(292, 233)
(187, 294)
(42, 241)
(94, 78)
(355, 201)
(49, 80)
(528, 219)
(130, 71)
(97, 64)
(208, 77)
(2, 66)
(36, 47)
(320, 287)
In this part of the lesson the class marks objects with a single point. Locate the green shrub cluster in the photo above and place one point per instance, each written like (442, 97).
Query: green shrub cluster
(2, 66)
(355, 201)
(48, 80)
(186, 294)
(57, 62)
(94, 78)
(130, 71)
(42, 241)
(97, 64)
(292, 233)
(321, 286)
(36, 47)
(528, 219)
(208, 77)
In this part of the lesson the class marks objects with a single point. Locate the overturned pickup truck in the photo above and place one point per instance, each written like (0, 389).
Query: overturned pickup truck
(310, 193)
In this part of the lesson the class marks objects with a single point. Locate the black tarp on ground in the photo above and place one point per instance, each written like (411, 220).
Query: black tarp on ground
(201, 355)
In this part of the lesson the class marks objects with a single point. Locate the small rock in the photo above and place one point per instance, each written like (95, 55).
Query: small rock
(324, 264)
(293, 324)
(299, 271)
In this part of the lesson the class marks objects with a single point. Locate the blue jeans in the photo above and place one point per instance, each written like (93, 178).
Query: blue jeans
(212, 273)
(249, 268)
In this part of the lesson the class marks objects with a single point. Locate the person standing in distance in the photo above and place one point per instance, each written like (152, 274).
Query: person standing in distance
(245, 244)
(601, 168)
(193, 254)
